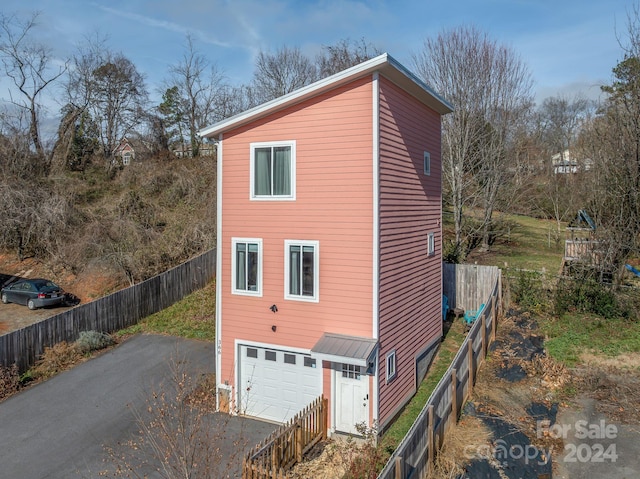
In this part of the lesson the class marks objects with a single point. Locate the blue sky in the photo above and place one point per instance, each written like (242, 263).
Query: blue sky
(569, 46)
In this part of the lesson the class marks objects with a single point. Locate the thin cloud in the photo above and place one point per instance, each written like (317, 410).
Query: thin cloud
(170, 26)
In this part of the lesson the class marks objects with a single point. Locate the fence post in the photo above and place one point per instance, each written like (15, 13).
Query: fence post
(484, 334)
(299, 442)
(325, 417)
(399, 468)
(430, 441)
(494, 319)
(454, 396)
(274, 457)
(499, 291)
(470, 364)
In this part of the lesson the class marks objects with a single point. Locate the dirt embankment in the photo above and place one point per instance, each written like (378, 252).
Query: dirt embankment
(530, 417)
(92, 283)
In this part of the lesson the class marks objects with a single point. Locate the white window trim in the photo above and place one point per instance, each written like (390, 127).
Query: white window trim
(253, 146)
(316, 270)
(431, 244)
(391, 371)
(427, 163)
(234, 290)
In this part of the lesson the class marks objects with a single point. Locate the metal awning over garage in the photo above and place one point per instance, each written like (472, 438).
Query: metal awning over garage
(340, 348)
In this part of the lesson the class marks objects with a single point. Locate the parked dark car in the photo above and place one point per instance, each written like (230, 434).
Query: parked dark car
(34, 293)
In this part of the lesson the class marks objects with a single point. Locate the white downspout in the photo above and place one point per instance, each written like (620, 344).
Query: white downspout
(219, 272)
(376, 230)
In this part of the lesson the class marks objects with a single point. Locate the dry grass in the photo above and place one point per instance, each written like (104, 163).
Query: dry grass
(327, 460)
(617, 391)
(551, 374)
(56, 359)
(470, 434)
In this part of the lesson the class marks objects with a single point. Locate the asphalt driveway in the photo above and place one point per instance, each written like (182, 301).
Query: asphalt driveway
(59, 428)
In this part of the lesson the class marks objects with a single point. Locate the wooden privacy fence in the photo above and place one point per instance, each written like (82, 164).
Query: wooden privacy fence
(108, 314)
(467, 286)
(286, 446)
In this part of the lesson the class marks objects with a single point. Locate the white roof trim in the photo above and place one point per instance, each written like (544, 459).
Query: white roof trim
(384, 63)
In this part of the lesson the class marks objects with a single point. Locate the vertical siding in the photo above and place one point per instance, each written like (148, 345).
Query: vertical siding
(333, 205)
(410, 209)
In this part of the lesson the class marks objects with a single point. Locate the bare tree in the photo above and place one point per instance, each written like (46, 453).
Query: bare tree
(30, 67)
(16, 156)
(556, 128)
(560, 121)
(344, 54)
(195, 85)
(180, 435)
(118, 99)
(490, 89)
(106, 85)
(78, 93)
(612, 141)
(235, 99)
(33, 219)
(282, 72)
(505, 104)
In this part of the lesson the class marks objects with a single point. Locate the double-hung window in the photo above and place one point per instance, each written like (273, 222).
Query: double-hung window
(246, 266)
(301, 270)
(273, 170)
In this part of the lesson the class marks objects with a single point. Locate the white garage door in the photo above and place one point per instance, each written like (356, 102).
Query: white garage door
(276, 384)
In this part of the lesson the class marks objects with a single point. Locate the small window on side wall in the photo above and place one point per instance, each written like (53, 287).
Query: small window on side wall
(427, 163)
(431, 244)
(391, 365)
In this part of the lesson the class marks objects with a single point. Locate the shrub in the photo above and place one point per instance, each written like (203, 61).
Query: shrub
(364, 460)
(9, 381)
(588, 296)
(529, 291)
(452, 253)
(57, 359)
(93, 340)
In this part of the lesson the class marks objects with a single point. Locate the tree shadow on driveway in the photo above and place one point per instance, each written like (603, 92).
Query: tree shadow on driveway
(59, 428)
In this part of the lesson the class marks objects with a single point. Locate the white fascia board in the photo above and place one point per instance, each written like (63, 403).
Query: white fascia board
(339, 359)
(385, 64)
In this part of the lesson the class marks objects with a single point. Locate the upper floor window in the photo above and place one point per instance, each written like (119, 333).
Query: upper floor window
(273, 170)
(301, 270)
(246, 266)
(126, 158)
(431, 244)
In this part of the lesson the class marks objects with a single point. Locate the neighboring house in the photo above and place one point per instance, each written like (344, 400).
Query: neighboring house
(184, 150)
(329, 266)
(565, 163)
(124, 152)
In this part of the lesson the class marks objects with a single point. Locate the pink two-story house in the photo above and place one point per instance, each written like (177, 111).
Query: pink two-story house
(329, 247)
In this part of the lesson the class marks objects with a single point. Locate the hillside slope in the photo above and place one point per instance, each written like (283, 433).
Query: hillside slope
(97, 231)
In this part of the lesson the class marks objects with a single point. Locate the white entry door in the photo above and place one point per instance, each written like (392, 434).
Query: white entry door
(352, 398)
